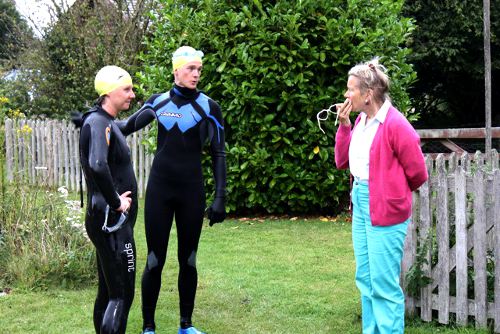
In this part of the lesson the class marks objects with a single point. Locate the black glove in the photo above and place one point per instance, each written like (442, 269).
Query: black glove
(216, 213)
(77, 119)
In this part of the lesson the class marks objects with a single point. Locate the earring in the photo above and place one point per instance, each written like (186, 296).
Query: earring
(366, 102)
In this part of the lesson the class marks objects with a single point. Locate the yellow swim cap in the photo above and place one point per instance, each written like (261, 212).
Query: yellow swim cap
(110, 78)
(184, 55)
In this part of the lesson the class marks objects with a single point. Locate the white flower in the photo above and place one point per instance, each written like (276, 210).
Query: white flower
(63, 191)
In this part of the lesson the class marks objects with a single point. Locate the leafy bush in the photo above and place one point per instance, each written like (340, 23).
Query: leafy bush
(272, 65)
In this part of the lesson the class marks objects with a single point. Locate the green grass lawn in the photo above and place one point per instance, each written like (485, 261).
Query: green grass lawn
(255, 277)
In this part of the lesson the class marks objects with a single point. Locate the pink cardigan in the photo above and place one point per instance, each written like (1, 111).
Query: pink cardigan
(397, 167)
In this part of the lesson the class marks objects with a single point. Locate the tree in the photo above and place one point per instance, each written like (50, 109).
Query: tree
(59, 69)
(448, 58)
(272, 65)
(13, 32)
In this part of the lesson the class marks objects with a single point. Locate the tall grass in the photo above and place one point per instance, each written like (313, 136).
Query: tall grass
(42, 239)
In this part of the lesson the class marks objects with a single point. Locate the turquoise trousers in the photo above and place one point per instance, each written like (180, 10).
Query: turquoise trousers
(378, 251)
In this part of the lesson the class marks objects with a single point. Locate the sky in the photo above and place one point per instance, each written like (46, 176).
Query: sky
(37, 12)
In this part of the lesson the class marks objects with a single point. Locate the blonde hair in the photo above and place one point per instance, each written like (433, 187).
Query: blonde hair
(372, 75)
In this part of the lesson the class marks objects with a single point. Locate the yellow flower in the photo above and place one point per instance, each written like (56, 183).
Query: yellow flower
(16, 113)
(4, 99)
(26, 130)
(316, 150)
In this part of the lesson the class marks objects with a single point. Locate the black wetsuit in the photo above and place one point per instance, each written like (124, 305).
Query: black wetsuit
(186, 120)
(106, 163)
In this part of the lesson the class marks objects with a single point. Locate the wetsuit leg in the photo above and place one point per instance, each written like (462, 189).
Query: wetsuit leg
(189, 221)
(158, 216)
(116, 254)
(102, 299)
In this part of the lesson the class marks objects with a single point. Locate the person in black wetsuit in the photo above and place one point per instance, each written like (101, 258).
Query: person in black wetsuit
(187, 118)
(111, 199)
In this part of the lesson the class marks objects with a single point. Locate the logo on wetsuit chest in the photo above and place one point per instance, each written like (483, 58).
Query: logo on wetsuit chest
(129, 251)
(185, 117)
(170, 114)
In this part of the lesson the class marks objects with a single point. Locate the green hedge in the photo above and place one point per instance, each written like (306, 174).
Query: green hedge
(272, 65)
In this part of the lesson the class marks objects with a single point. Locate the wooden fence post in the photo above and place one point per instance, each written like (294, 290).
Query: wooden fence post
(479, 250)
(9, 151)
(443, 240)
(462, 308)
(410, 252)
(496, 231)
(426, 237)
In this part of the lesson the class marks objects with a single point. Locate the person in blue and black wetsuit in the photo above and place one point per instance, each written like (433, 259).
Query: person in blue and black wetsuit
(187, 119)
(111, 199)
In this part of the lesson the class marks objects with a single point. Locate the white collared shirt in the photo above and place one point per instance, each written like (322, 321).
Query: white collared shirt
(361, 141)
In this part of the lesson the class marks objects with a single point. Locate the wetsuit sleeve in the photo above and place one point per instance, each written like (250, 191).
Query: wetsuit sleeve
(99, 139)
(217, 150)
(139, 119)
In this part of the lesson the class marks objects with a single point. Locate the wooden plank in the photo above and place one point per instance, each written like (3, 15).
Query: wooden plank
(461, 247)
(496, 250)
(50, 153)
(410, 254)
(494, 159)
(43, 143)
(478, 159)
(23, 159)
(39, 175)
(465, 161)
(452, 162)
(474, 133)
(9, 149)
(443, 241)
(60, 156)
(453, 308)
(65, 157)
(32, 152)
(71, 155)
(479, 251)
(425, 227)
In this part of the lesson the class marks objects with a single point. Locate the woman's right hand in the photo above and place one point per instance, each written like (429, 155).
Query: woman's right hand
(343, 111)
(125, 202)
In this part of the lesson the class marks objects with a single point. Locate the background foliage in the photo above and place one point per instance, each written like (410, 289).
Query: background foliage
(272, 65)
(449, 59)
(56, 73)
(14, 32)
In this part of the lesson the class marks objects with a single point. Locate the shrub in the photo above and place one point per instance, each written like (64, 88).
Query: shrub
(272, 65)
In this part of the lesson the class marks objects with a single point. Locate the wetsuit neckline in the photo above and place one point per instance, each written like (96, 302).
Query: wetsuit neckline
(185, 92)
(99, 109)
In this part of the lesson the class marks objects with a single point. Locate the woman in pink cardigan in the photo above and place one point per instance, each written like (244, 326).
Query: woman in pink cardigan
(383, 154)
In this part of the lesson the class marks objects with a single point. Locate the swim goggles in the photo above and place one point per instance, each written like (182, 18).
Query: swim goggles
(118, 225)
(323, 115)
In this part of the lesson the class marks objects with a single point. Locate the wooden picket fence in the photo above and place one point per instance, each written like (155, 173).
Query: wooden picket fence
(45, 152)
(456, 232)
